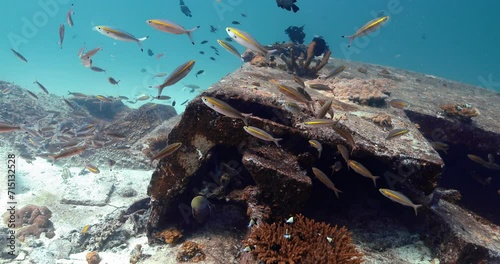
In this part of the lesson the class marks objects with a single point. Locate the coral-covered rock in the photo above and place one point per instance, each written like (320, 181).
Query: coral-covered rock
(460, 236)
(278, 173)
(463, 112)
(259, 61)
(32, 220)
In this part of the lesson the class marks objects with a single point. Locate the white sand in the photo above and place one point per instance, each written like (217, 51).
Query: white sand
(40, 183)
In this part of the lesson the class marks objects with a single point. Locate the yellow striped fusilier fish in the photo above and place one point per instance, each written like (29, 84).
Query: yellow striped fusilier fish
(178, 74)
(324, 109)
(225, 109)
(230, 48)
(325, 180)
(319, 122)
(399, 198)
(247, 41)
(343, 152)
(259, 133)
(397, 132)
(368, 28)
(171, 27)
(119, 34)
(359, 168)
(335, 71)
(293, 93)
(314, 143)
(167, 151)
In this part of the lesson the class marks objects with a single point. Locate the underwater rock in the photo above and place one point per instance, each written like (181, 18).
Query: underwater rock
(460, 236)
(205, 133)
(136, 124)
(103, 110)
(278, 182)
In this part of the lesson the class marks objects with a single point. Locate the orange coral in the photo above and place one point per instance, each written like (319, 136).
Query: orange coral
(304, 241)
(169, 236)
(464, 112)
(190, 251)
(93, 258)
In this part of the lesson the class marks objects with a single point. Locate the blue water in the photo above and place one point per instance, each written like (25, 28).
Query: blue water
(452, 39)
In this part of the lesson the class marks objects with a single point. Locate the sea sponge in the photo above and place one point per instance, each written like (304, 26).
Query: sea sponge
(303, 241)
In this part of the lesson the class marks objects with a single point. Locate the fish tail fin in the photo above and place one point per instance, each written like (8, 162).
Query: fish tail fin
(160, 89)
(295, 8)
(337, 191)
(351, 39)
(189, 33)
(140, 40)
(276, 141)
(374, 178)
(415, 207)
(245, 118)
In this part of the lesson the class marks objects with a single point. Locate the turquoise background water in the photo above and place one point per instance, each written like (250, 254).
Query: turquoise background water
(452, 39)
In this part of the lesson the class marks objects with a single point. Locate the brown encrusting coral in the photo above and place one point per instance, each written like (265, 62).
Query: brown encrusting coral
(303, 241)
(463, 112)
(170, 235)
(93, 257)
(32, 220)
(190, 251)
